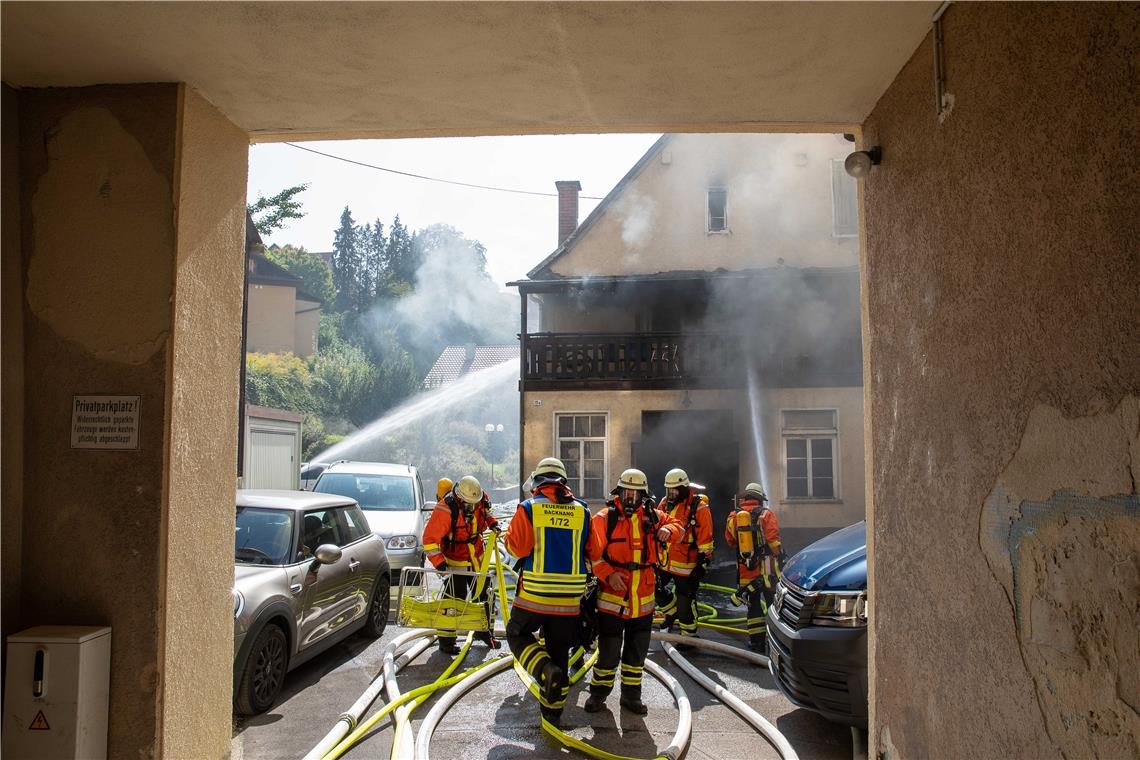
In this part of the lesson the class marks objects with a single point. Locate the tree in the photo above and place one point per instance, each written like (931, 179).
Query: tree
(308, 267)
(375, 247)
(400, 256)
(349, 277)
(276, 209)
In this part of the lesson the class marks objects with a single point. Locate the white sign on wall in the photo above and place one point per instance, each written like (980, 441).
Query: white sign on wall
(105, 422)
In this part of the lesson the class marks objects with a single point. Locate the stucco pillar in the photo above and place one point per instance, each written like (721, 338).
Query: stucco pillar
(132, 219)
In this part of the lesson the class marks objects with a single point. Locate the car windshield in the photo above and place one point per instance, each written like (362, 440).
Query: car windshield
(386, 493)
(263, 536)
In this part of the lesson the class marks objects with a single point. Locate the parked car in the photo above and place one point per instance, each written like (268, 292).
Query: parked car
(817, 627)
(391, 496)
(308, 573)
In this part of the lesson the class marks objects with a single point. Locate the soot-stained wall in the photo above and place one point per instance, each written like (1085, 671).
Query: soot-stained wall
(1002, 283)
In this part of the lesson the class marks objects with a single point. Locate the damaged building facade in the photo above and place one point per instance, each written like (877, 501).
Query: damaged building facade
(705, 315)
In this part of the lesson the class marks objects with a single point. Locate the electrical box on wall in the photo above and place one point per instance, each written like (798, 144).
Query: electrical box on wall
(56, 692)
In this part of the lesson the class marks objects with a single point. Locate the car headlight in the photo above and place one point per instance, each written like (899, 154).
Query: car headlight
(403, 542)
(239, 602)
(840, 609)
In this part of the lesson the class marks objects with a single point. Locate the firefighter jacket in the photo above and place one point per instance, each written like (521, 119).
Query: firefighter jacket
(629, 547)
(548, 534)
(695, 518)
(763, 535)
(451, 538)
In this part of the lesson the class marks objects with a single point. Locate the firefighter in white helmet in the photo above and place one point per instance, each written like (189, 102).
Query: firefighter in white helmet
(624, 547)
(754, 532)
(548, 534)
(685, 563)
(453, 540)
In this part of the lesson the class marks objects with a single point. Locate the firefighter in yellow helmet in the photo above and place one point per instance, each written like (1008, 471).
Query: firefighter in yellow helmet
(548, 534)
(754, 532)
(453, 540)
(686, 560)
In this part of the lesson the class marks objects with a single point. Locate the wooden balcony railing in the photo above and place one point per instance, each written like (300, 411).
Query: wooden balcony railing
(642, 360)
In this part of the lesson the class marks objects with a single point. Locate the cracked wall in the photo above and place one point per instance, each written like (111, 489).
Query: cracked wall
(1002, 334)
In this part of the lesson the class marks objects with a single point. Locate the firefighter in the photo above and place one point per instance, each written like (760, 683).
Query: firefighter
(754, 532)
(453, 540)
(686, 560)
(623, 548)
(548, 535)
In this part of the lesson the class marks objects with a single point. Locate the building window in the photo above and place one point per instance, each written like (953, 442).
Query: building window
(844, 202)
(811, 447)
(581, 446)
(718, 210)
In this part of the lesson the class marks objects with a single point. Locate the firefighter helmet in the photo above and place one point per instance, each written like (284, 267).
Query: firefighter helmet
(443, 488)
(676, 478)
(634, 480)
(469, 490)
(756, 491)
(549, 470)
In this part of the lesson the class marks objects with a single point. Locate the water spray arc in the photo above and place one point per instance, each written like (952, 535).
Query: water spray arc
(425, 404)
(756, 417)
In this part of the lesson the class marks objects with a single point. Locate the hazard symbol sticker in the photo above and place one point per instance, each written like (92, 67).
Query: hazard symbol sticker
(39, 723)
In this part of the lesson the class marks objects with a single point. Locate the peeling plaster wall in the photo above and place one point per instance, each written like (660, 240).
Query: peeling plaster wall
(1001, 291)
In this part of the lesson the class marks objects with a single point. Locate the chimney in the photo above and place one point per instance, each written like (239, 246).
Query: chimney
(567, 208)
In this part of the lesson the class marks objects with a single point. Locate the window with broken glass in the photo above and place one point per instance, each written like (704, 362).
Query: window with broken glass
(811, 438)
(581, 446)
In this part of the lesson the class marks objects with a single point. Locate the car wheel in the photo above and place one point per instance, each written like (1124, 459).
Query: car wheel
(264, 671)
(378, 607)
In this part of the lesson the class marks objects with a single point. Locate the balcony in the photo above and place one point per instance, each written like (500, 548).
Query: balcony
(631, 361)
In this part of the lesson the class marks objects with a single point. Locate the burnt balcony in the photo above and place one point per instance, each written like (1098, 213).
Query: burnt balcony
(631, 361)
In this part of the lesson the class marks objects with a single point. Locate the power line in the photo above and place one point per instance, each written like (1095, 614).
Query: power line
(435, 179)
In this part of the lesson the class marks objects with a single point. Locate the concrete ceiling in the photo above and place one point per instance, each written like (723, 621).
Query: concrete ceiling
(324, 70)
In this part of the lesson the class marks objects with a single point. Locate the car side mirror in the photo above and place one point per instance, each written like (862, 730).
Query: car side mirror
(327, 554)
(428, 506)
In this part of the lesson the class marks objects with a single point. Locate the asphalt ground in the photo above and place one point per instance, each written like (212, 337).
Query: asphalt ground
(499, 719)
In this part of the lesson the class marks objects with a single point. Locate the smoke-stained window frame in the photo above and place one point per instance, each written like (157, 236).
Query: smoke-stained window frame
(578, 488)
(809, 434)
(838, 171)
(709, 211)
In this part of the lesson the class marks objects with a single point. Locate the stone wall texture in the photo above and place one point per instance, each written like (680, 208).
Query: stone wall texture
(1002, 283)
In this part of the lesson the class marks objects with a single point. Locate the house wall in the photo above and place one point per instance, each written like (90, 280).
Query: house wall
(802, 518)
(272, 311)
(1002, 333)
(305, 330)
(137, 193)
(779, 207)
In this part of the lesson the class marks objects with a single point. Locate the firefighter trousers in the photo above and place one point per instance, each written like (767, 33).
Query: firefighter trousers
(558, 632)
(680, 601)
(758, 602)
(625, 641)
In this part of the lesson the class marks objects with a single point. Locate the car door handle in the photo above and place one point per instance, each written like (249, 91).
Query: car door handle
(353, 565)
(296, 588)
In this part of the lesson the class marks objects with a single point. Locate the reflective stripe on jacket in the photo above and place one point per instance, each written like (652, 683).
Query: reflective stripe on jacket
(695, 540)
(634, 551)
(453, 544)
(769, 530)
(548, 533)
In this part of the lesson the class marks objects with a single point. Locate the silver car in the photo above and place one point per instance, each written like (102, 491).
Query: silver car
(391, 496)
(308, 572)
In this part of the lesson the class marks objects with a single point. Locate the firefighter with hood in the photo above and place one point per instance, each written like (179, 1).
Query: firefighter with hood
(686, 561)
(548, 535)
(625, 538)
(754, 532)
(453, 540)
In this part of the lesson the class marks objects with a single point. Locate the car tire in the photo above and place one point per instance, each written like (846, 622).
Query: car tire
(379, 603)
(264, 671)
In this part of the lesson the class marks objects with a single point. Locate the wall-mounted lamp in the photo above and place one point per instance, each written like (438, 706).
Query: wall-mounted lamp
(859, 163)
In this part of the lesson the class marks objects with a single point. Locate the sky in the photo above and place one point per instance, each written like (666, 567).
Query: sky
(518, 230)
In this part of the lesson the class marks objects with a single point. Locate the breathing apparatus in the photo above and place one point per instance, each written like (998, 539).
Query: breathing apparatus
(749, 546)
(630, 482)
(468, 493)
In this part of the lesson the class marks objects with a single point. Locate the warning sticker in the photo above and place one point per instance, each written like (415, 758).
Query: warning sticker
(39, 723)
(105, 422)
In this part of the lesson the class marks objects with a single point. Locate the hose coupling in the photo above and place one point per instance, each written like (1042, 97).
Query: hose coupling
(348, 718)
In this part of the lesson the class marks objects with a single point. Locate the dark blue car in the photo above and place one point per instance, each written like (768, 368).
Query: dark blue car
(817, 627)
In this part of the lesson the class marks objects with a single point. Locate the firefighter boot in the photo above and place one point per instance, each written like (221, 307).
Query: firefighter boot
(667, 623)
(552, 682)
(631, 700)
(489, 639)
(448, 646)
(596, 703)
(551, 716)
